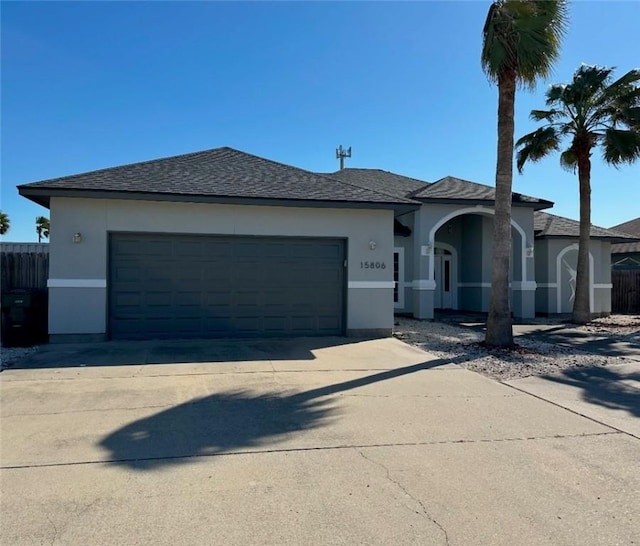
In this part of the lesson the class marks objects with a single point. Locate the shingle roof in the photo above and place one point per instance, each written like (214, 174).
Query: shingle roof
(450, 187)
(380, 181)
(632, 227)
(550, 225)
(221, 172)
(625, 248)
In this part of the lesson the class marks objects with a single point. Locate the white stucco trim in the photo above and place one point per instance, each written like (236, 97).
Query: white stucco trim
(516, 285)
(561, 254)
(423, 284)
(603, 285)
(370, 284)
(524, 286)
(547, 285)
(476, 210)
(77, 283)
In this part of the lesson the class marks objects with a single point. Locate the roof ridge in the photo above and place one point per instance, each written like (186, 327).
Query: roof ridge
(146, 162)
(634, 223)
(322, 175)
(592, 225)
(350, 183)
(389, 172)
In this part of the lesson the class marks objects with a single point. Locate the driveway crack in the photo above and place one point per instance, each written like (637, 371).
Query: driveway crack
(424, 513)
(55, 529)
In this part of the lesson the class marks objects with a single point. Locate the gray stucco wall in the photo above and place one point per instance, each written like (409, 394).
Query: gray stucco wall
(556, 261)
(406, 243)
(78, 271)
(469, 230)
(473, 272)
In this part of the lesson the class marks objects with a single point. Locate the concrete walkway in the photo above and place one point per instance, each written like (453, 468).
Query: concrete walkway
(299, 442)
(608, 394)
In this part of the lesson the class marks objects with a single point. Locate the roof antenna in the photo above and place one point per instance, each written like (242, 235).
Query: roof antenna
(341, 154)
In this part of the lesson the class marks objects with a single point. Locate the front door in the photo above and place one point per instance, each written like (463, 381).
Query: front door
(443, 294)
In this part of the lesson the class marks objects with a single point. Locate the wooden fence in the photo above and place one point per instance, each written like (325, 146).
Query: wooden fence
(625, 294)
(24, 270)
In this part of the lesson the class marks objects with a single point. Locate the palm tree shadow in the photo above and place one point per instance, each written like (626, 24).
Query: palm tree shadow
(218, 423)
(606, 387)
(229, 422)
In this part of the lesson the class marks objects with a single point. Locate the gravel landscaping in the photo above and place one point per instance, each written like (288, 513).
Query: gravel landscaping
(531, 357)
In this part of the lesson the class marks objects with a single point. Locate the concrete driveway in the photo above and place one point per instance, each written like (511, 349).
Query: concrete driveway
(299, 442)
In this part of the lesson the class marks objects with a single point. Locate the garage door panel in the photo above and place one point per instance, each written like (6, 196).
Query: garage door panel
(163, 286)
(156, 247)
(249, 249)
(218, 299)
(188, 272)
(220, 248)
(303, 324)
(248, 324)
(128, 273)
(247, 273)
(189, 249)
(189, 298)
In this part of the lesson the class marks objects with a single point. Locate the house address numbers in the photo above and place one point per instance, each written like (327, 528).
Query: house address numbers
(373, 265)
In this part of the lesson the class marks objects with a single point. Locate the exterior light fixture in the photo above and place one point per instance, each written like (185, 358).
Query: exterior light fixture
(530, 250)
(373, 245)
(77, 237)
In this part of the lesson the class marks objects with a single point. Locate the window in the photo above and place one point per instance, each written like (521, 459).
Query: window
(447, 275)
(398, 278)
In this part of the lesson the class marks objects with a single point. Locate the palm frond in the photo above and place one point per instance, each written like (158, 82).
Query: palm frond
(5, 223)
(631, 117)
(522, 37)
(623, 86)
(554, 94)
(536, 145)
(621, 146)
(545, 115)
(569, 160)
(590, 80)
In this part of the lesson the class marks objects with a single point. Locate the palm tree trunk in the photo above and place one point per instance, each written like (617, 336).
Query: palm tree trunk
(581, 305)
(499, 324)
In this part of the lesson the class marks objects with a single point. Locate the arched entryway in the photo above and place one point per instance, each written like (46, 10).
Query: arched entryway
(459, 259)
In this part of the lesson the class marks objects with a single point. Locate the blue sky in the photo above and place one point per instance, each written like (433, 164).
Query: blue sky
(88, 85)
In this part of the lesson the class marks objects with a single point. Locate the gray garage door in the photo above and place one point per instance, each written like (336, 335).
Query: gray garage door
(177, 286)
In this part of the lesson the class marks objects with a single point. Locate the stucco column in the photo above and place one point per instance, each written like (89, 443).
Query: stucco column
(423, 282)
(523, 291)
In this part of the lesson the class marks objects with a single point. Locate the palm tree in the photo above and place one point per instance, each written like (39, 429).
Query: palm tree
(591, 111)
(42, 227)
(5, 224)
(521, 41)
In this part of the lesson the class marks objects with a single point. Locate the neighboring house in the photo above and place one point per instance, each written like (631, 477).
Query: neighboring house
(627, 255)
(224, 243)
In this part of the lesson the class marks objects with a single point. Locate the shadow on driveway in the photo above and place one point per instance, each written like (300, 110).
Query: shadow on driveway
(135, 353)
(604, 386)
(230, 421)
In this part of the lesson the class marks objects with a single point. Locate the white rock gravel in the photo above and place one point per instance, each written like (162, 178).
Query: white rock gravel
(532, 357)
